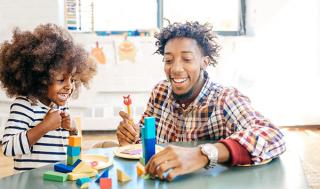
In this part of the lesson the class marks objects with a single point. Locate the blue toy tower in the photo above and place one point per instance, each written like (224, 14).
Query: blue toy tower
(148, 136)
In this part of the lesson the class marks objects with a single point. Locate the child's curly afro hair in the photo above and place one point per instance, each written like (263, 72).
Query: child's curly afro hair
(29, 61)
(202, 33)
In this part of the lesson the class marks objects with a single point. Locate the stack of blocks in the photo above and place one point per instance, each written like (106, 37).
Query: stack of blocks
(60, 170)
(148, 137)
(73, 149)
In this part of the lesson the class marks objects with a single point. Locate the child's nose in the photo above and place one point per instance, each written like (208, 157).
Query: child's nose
(68, 84)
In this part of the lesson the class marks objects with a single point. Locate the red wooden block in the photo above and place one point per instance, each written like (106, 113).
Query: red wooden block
(105, 183)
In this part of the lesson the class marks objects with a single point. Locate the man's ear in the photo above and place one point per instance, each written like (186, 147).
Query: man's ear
(205, 62)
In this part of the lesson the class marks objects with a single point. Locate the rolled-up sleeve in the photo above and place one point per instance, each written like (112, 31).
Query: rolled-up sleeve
(257, 134)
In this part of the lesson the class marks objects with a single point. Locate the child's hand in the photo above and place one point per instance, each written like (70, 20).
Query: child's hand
(66, 121)
(52, 120)
(127, 131)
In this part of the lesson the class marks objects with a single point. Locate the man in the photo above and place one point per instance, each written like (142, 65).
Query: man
(188, 106)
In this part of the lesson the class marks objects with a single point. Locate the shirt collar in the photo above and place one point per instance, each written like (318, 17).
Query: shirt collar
(43, 106)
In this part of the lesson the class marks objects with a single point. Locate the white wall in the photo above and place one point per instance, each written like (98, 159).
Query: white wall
(277, 64)
(28, 14)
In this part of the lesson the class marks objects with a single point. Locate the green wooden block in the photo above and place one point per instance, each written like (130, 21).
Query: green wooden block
(72, 159)
(55, 176)
(147, 176)
(142, 161)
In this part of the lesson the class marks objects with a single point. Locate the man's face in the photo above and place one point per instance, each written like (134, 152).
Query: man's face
(183, 60)
(61, 88)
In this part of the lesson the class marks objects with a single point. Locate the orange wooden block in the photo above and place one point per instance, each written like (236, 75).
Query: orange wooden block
(74, 141)
(105, 183)
(140, 169)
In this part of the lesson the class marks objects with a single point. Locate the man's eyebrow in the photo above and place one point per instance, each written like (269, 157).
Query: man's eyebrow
(187, 52)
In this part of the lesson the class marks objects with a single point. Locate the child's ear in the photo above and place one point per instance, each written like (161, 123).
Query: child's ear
(205, 62)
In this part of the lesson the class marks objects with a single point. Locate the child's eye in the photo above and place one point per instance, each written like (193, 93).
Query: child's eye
(60, 80)
(167, 61)
(187, 60)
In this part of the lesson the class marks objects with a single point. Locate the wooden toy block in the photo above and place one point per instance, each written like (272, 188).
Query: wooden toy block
(72, 160)
(149, 127)
(62, 168)
(105, 183)
(142, 161)
(73, 151)
(140, 169)
(85, 185)
(104, 174)
(55, 176)
(75, 176)
(147, 176)
(74, 141)
(150, 149)
(83, 167)
(75, 164)
(122, 176)
(81, 181)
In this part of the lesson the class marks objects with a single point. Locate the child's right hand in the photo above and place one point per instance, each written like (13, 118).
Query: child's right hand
(52, 120)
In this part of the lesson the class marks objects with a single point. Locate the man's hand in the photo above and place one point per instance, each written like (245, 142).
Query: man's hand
(127, 131)
(177, 161)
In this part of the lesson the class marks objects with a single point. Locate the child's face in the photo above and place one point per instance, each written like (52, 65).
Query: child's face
(61, 88)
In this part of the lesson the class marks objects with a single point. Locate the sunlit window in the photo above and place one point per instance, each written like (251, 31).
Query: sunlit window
(227, 16)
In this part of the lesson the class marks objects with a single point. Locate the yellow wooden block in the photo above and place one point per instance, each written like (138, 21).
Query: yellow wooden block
(85, 185)
(140, 169)
(75, 176)
(122, 176)
(74, 141)
(83, 167)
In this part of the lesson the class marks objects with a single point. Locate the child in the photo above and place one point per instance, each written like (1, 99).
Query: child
(42, 69)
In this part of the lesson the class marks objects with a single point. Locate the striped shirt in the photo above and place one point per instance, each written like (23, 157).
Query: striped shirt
(50, 148)
(217, 113)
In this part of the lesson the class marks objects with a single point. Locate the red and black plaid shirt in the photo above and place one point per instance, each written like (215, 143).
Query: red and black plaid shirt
(217, 113)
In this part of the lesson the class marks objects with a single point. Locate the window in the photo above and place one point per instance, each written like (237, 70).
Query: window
(227, 16)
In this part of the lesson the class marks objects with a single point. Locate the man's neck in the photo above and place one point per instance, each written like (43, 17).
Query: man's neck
(195, 92)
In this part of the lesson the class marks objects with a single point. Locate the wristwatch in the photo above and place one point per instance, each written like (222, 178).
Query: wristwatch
(211, 152)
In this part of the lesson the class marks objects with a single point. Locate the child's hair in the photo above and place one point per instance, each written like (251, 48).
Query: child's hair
(29, 61)
(202, 33)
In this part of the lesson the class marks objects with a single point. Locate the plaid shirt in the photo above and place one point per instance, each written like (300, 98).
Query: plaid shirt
(216, 113)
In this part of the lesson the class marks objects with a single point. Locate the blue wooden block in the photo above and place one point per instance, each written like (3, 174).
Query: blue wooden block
(150, 146)
(76, 163)
(104, 174)
(62, 168)
(149, 127)
(142, 130)
(81, 181)
(73, 151)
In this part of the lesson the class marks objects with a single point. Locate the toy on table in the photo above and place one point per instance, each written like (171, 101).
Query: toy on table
(122, 176)
(148, 137)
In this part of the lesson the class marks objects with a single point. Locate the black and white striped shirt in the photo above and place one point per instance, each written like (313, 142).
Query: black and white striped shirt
(50, 148)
